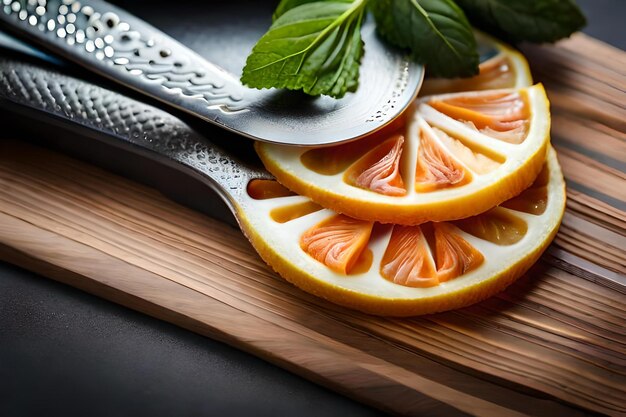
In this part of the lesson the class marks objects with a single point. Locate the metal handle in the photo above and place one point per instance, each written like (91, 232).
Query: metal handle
(114, 43)
(126, 122)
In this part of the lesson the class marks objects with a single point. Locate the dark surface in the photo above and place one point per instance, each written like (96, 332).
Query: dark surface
(67, 353)
(64, 352)
(606, 19)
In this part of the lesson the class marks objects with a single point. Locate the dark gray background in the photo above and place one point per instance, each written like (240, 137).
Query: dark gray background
(67, 353)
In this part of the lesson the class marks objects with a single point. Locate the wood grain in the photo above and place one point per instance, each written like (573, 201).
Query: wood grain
(553, 344)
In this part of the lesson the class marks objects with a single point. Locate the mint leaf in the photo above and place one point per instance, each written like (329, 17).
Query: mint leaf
(525, 20)
(314, 47)
(286, 5)
(435, 31)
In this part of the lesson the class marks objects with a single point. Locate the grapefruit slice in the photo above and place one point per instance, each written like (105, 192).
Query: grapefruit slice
(460, 154)
(400, 270)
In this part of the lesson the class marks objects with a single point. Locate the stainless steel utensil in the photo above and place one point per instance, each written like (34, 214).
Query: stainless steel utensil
(113, 43)
(93, 112)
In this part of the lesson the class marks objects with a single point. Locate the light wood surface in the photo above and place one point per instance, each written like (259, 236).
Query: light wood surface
(553, 344)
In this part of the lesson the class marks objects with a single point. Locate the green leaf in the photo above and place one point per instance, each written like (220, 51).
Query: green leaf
(315, 47)
(525, 20)
(435, 31)
(286, 5)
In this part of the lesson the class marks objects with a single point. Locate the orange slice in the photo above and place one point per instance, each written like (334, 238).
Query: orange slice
(459, 155)
(436, 167)
(400, 270)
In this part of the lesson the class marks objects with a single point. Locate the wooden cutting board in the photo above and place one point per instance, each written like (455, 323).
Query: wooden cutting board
(553, 344)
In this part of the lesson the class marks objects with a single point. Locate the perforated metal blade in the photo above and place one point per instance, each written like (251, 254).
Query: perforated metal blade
(114, 43)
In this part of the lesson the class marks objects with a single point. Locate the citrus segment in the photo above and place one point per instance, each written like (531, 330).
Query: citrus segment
(476, 161)
(496, 226)
(379, 169)
(534, 199)
(407, 270)
(264, 189)
(407, 260)
(455, 256)
(337, 242)
(502, 115)
(333, 160)
(287, 213)
(436, 167)
(362, 264)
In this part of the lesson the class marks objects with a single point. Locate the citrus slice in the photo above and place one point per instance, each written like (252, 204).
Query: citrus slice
(400, 270)
(500, 67)
(460, 154)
